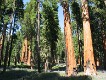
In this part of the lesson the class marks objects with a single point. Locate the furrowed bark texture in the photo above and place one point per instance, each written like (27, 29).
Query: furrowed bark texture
(89, 63)
(70, 57)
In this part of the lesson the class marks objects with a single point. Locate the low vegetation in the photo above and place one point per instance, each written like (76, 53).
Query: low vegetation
(28, 74)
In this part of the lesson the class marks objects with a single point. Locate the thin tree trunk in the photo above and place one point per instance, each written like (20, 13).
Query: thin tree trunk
(15, 61)
(89, 63)
(7, 50)
(79, 44)
(10, 49)
(70, 56)
(76, 12)
(52, 55)
(38, 40)
(6, 57)
(3, 40)
(0, 51)
(46, 65)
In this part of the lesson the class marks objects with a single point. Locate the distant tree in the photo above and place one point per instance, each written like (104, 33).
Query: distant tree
(30, 31)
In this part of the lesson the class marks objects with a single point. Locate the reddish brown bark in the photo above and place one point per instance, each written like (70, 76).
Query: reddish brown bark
(89, 63)
(70, 57)
(29, 57)
(24, 51)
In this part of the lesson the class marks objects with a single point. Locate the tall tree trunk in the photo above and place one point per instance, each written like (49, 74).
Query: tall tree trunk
(0, 50)
(6, 57)
(10, 48)
(52, 54)
(89, 63)
(12, 19)
(46, 64)
(70, 56)
(77, 14)
(79, 29)
(7, 50)
(38, 40)
(3, 40)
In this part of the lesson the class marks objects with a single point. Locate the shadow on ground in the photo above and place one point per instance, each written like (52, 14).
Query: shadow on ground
(15, 74)
(55, 76)
(32, 75)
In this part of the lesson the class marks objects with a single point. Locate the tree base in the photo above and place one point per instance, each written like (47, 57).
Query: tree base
(90, 72)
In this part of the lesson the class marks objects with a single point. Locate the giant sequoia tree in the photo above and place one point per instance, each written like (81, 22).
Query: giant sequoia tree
(70, 56)
(89, 63)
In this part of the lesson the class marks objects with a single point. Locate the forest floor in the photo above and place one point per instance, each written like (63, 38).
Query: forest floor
(28, 74)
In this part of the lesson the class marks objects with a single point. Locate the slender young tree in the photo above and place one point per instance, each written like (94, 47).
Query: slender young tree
(38, 38)
(1, 55)
(70, 56)
(4, 26)
(89, 63)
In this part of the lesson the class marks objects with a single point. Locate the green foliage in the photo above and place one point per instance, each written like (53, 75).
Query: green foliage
(61, 46)
(76, 12)
(97, 11)
(19, 12)
(28, 24)
(75, 38)
(52, 44)
(17, 45)
(15, 74)
(50, 22)
(60, 66)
